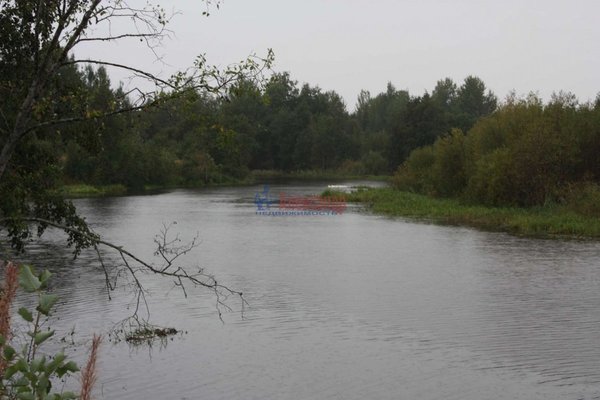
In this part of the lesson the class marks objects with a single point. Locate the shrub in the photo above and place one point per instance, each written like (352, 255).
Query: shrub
(448, 169)
(583, 198)
(491, 182)
(28, 374)
(415, 173)
(374, 163)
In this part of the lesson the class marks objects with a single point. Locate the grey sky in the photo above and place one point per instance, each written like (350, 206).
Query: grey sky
(349, 45)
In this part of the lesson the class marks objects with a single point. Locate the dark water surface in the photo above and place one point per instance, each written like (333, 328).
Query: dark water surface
(353, 306)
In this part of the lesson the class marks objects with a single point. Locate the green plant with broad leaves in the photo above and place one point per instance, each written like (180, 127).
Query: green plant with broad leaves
(28, 373)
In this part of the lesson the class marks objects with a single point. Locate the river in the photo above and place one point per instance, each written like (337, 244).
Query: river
(350, 306)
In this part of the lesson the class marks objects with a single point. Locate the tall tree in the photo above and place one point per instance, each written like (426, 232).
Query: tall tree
(421, 124)
(473, 102)
(37, 41)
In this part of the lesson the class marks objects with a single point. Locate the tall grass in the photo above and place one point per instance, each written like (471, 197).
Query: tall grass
(84, 190)
(88, 375)
(9, 290)
(548, 221)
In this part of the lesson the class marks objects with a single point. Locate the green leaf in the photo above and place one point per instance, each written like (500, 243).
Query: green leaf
(38, 364)
(71, 366)
(69, 396)
(22, 366)
(10, 371)
(44, 276)
(9, 353)
(41, 337)
(25, 314)
(25, 396)
(44, 385)
(28, 281)
(68, 367)
(47, 301)
(22, 381)
(57, 361)
(19, 366)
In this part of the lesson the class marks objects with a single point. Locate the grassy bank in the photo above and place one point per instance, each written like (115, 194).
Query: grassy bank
(86, 190)
(83, 190)
(551, 221)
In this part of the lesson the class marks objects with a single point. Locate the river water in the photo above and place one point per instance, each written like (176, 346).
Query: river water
(351, 306)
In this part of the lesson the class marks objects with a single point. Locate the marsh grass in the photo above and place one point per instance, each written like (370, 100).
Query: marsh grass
(552, 221)
(83, 190)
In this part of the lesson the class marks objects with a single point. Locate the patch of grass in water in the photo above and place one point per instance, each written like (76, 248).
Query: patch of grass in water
(84, 190)
(551, 221)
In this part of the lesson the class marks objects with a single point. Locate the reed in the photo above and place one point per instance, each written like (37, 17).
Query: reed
(9, 290)
(88, 375)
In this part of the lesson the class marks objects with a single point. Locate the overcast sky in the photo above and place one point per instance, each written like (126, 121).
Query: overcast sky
(349, 45)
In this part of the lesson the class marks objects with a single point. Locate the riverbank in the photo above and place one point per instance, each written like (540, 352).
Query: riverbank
(260, 176)
(546, 222)
(85, 190)
(254, 177)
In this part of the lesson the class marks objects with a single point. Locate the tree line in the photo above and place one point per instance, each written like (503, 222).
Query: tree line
(199, 138)
(456, 141)
(527, 153)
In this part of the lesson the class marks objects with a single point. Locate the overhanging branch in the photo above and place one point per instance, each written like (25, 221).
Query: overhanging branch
(91, 117)
(117, 37)
(177, 273)
(125, 67)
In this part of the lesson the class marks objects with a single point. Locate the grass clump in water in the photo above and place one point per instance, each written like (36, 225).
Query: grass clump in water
(84, 190)
(548, 221)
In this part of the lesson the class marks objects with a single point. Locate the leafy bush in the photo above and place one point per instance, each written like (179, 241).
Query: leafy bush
(415, 173)
(583, 198)
(374, 163)
(525, 154)
(448, 169)
(491, 183)
(28, 374)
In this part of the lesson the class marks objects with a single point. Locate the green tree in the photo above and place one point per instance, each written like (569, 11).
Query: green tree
(51, 104)
(421, 124)
(445, 94)
(473, 102)
(36, 40)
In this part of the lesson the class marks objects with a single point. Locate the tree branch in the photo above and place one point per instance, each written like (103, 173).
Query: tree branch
(91, 117)
(117, 37)
(178, 273)
(125, 67)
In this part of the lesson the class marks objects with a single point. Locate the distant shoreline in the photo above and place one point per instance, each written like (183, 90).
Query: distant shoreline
(83, 190)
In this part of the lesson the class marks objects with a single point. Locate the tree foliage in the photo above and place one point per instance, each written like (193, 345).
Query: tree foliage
(55, 107)
(63, 121)
(200, 139)
(527, 153)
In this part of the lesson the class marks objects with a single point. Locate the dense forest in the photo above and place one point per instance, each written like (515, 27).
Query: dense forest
(198, 139)
(526, 153)
(457, 141)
